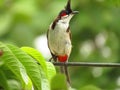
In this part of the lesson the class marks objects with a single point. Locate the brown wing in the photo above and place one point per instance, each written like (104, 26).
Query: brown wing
(54, 57)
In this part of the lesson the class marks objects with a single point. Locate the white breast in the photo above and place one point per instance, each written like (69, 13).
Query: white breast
(59, 39)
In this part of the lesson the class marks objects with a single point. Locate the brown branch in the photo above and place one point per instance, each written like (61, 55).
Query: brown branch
(88, 64)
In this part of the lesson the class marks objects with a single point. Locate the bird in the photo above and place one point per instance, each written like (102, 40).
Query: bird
(59, 37)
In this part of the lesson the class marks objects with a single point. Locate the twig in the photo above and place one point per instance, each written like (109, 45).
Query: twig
(88, 64)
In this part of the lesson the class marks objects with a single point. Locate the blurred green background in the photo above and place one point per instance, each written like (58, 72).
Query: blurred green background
(95, 35)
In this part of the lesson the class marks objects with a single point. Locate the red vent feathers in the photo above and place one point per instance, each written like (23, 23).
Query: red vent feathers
(62, 58)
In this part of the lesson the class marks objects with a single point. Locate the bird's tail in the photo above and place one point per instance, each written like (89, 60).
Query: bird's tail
(64, 70)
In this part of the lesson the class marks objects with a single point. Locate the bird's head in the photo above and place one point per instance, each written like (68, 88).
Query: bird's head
(66, 14)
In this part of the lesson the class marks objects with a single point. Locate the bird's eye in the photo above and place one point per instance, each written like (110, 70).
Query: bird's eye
(63, 14)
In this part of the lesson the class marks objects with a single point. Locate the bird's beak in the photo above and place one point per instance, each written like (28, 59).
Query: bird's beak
(75, 12)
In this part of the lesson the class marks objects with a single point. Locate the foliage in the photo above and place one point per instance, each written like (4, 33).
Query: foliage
(62, 85)
(95, 38)
(24, 70)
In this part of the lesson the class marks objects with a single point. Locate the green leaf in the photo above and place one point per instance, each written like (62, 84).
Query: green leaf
(48, 67)
(14, 85)
(11, 61)
(24, 75)
(44, 80)
(30, 65)
(29, 85)
(50, 70)
(3, 81)
(59, 83)
(37, 55)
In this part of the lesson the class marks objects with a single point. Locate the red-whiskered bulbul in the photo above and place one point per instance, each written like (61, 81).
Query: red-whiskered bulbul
(59, 36)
